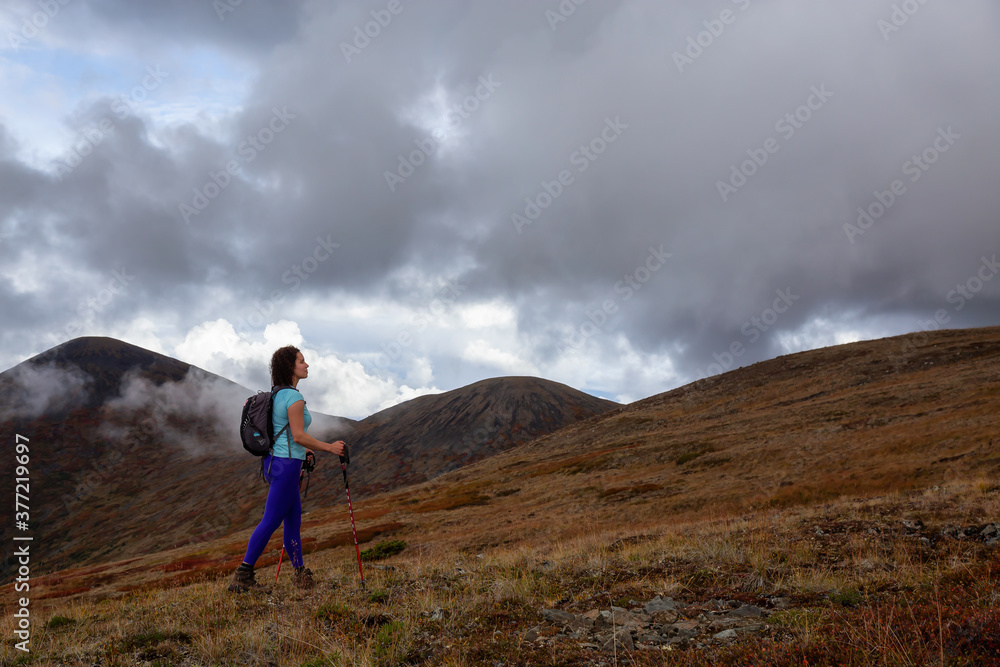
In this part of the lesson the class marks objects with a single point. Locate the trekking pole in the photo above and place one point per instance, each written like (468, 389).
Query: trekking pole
(344, 460)
(279, 564)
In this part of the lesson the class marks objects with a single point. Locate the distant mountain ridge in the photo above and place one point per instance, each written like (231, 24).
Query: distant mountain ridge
(105, 362)
(436, 433)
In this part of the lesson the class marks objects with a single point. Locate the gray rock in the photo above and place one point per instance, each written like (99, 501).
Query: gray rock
(991, 530)
(953, 532)
(725, 635)
(781, 603)
(531, 635)
(622, 639)
(722, 623)
(751, 629)
(558, 617)
(913, 525)
(682, 630)
(659, 604)
(616, 618)
(747, 611)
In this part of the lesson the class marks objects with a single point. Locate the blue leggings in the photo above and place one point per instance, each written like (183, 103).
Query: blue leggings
(283, 506)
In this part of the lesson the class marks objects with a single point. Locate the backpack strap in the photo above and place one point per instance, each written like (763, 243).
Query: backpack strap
(288, 425)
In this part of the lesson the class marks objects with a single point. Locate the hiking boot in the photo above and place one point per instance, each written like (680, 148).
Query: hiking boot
(244, 580)
(303, 578)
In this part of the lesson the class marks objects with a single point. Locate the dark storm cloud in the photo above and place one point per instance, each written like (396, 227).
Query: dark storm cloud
(614, 121)
(252, 28)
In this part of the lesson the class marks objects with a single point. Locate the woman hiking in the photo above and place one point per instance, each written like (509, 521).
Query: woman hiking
(282, 467)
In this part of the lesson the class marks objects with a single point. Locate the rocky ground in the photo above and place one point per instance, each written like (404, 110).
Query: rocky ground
(668, 624)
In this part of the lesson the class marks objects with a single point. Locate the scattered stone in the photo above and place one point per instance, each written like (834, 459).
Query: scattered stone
(747, 611)
(531, 635)
(953, 532)
(558, 616)
(926, 542)
(818, 530)
(622, 639)
(991, 530)
(616, 618)
(659, 604)
(913, 525)
(781, 603)
(682, 630)
(725, 635)
(751, 629)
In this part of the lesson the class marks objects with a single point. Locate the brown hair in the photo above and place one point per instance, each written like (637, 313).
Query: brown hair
(283, 365)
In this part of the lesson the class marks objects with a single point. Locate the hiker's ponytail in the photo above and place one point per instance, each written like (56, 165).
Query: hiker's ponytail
(283, 365)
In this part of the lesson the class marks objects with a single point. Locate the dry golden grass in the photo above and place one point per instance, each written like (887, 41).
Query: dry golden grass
(437, 606)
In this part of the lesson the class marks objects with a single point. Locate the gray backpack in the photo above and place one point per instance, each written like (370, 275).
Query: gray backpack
(256, 424)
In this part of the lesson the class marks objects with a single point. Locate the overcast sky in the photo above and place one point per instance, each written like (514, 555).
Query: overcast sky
(623, 195)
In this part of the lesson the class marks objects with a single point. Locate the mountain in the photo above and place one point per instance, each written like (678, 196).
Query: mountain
(81, 373)
(122, 439)
(424, 437)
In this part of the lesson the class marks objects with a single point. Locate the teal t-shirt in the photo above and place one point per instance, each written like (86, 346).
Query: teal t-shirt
(279, 416)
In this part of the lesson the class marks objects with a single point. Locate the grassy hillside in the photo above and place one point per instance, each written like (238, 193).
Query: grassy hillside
(831, 507)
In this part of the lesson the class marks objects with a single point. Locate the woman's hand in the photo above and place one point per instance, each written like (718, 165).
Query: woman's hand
(337, 448)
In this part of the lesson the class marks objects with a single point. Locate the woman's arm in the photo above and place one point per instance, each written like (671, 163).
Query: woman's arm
(297, 423)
